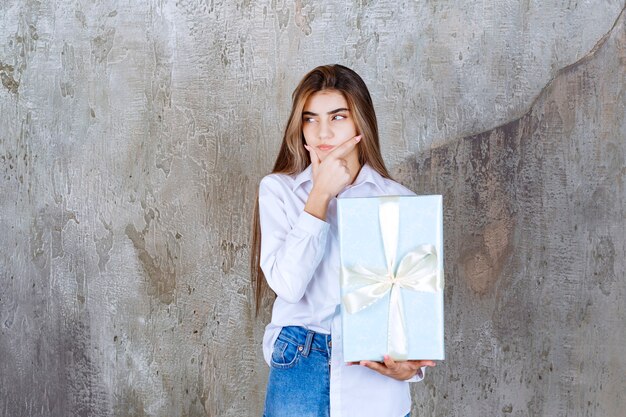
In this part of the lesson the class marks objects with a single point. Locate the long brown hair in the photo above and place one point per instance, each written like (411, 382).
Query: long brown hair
(293, 158)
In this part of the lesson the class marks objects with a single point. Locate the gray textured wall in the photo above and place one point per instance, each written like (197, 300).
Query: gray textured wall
(133, 136)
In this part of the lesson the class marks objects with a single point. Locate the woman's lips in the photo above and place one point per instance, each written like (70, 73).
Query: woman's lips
(325, 148)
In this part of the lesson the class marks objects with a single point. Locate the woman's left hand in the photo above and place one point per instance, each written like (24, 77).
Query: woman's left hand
(400, 370)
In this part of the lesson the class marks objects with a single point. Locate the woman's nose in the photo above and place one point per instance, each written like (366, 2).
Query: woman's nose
(325, 131)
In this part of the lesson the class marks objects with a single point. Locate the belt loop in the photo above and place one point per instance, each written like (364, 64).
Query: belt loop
(308, 342)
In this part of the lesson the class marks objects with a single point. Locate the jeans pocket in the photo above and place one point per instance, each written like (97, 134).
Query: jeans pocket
(285, 354)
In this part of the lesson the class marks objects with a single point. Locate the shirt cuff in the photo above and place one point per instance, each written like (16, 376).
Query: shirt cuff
(311, 224)
(418, 376)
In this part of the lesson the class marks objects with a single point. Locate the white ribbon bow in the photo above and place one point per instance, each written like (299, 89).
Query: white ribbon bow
(418, 271)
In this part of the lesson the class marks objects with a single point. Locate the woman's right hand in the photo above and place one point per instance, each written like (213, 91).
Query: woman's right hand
(330, 176)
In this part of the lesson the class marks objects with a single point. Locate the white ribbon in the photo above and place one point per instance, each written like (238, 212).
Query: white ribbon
(418, 271)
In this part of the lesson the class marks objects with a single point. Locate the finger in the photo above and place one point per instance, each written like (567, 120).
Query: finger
(389, 362)
(375, 366)
(345, 148)
(315, 159)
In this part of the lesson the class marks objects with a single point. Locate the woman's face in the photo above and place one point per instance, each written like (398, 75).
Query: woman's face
(327, 123)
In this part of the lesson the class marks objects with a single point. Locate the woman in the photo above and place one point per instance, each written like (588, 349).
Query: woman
(330, 150)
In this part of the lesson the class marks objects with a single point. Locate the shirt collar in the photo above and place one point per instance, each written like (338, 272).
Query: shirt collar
(303, 177)
(367, 174)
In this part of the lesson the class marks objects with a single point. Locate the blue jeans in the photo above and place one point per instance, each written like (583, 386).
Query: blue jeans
(299, 380)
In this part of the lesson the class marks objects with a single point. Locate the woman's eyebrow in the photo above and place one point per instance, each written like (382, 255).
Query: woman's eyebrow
(310, 113)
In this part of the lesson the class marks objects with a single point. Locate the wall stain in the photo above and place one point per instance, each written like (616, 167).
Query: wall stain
(68, 63)
(603, 263)
(46, 240)
(8, 81)
(82, 19)
(101, 44)
(304, 15)
(482, 263)
(129, 403)
(82, 375)
(282, 15)
(230, 252)
(160, 268)
(104, 245)
(8, 308)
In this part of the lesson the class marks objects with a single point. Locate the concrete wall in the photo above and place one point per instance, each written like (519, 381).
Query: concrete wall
(133, 136)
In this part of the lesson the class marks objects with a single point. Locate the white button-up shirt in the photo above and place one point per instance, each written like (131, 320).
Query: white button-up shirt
(300, 260)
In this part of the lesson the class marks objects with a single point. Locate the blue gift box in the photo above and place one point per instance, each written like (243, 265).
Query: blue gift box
(391, 252)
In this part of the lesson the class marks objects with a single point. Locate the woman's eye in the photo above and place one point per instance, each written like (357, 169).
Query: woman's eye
(308, 120)
(339, 117)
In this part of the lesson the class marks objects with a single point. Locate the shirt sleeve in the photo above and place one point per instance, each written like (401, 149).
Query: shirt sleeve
(289, 254)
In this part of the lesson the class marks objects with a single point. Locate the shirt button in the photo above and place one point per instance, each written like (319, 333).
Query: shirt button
(330, 344)
(300, 348)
